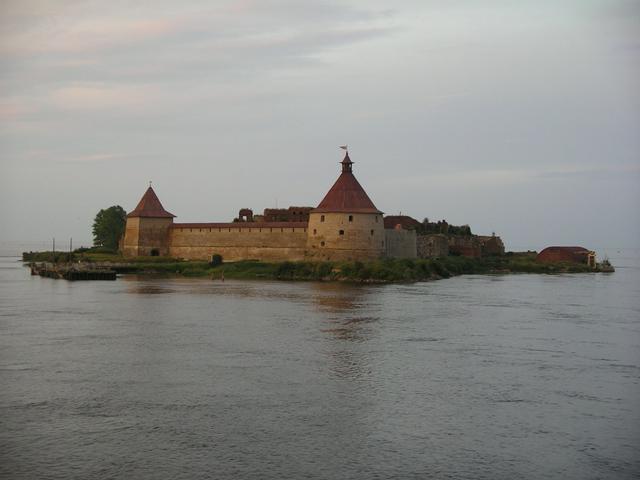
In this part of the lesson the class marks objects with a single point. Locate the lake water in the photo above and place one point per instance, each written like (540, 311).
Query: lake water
(496, 377)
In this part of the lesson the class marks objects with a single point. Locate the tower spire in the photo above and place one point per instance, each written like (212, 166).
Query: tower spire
(346, 164)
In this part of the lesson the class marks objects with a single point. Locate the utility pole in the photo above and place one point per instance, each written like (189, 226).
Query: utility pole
(54, 244)
(70, 244)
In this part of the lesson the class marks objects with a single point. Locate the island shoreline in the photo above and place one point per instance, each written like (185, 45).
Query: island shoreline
(86, 265)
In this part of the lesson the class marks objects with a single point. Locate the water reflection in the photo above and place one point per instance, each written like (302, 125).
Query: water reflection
(337, 297)
(352, 329)
(254, 290)
(343, 311)
(348, 325)
(147, 286)
(343, 303)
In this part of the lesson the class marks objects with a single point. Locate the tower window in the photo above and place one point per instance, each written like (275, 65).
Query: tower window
(322, 244)
(322, 218)
(314, 231)
(371, 232)
(341, 232)
(351, 218)
(376, 218)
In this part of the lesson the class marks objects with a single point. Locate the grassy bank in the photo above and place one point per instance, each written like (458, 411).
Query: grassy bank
(383, 270)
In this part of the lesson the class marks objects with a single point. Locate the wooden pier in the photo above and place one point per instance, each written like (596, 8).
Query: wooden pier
(68, 271)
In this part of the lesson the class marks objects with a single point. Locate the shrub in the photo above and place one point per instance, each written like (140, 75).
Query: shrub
(440, 270)
(285, 270)
(323, 270)
(55, 257)
(101, 249)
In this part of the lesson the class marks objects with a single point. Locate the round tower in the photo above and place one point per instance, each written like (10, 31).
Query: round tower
(346, 225)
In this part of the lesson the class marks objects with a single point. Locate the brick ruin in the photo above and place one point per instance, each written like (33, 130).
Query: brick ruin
(439, 239)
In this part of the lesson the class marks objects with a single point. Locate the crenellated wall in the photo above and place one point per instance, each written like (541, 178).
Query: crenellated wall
(239, 241)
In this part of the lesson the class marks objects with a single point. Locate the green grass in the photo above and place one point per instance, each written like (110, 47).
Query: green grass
(48, 257)
(382, 270)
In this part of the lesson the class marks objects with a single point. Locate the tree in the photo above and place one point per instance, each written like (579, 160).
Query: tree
(108, 227)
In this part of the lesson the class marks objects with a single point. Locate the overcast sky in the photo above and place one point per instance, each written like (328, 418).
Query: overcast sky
(519, 117)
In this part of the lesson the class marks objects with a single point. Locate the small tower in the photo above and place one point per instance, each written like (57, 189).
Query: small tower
(346, 225)
(147, 229)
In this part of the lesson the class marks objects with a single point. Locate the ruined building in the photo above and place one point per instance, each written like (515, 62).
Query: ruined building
(439, 239)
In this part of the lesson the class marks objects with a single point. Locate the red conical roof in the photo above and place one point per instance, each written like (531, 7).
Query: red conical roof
(150, 206)
(346, 195)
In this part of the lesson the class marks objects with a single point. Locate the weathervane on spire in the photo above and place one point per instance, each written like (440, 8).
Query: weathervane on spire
(346, 162)
(149, 183)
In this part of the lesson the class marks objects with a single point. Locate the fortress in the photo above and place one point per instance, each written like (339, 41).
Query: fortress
(346, 225)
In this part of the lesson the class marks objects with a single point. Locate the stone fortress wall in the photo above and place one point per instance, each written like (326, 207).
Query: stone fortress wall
(346, 225)
(239, 241)
(400, 243)
(433, 245)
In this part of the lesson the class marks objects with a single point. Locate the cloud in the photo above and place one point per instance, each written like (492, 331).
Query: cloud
(446, 97)
(96, 29)
(92, 97)
(96, 158)
(482, 178)
(593, 172)
(90, 35)
(467, 178)
(165, 45)
(12, 110)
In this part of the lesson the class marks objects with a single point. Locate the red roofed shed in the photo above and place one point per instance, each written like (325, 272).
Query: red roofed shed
(567, 254)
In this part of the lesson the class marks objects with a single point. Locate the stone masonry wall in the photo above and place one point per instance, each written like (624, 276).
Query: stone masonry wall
(145, 236)
(362, 236)
(235, 242)
(400, 243)
(432, 246)
(465, 246)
